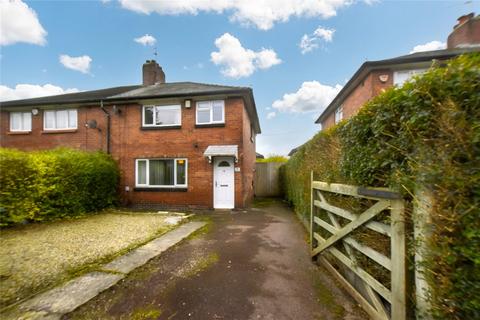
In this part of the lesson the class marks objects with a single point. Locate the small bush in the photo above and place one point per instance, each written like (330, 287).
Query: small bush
(48, 185)
(273, 158)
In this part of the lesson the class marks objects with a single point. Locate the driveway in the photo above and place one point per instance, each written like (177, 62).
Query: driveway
(251, 264)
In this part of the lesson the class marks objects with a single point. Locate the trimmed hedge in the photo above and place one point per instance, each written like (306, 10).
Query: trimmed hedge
(54, 184)
(425, 135)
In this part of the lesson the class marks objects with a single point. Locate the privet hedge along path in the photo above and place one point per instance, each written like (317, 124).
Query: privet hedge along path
(423, 135)
(54, 184)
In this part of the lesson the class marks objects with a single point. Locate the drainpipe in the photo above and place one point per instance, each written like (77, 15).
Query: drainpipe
(108, 125)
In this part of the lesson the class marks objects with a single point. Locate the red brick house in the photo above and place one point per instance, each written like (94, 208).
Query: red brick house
(373, 77)
(180, 144)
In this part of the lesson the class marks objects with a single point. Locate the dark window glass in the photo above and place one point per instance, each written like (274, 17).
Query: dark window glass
(181, 172)
(161, 172)
(148, 115)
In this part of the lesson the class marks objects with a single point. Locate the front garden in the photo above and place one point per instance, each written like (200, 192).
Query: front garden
(37, 256)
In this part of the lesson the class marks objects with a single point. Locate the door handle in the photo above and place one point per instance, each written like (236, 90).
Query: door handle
(215, 184)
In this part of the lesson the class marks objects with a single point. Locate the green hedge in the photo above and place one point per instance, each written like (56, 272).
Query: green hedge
(54, 184)
(424, 135)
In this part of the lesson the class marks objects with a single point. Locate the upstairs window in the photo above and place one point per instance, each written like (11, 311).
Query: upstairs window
(210, 112)
(338, 114)
(60, 119)
(162, 116)
(20, 121)
(161, 173)
(402, 76)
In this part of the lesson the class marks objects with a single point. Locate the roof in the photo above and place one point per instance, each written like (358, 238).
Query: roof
(78, 97)
(136, 92)
(398, 62)
(259, 155)
(221, 150)
(175, 89)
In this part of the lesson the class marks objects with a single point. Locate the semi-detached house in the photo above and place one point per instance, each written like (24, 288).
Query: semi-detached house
(374, 77)
(179, 144)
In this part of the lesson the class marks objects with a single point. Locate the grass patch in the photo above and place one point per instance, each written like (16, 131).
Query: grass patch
(206, 229)
(38, 256)
(146, 313)
(202, 264)
(265, 202)
(325, 297)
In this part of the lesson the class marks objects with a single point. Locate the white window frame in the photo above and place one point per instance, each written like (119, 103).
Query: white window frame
(338, 114)
(147, 184)
(405, 75)
(68, 120)
(170, 106)
(211, 102)
(22, 115)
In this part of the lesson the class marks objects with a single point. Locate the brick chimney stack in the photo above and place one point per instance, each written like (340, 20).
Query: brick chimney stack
(466, 33)
(152, 73)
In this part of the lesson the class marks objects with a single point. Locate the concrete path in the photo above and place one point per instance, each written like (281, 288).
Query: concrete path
(247, 265)
(58, 301)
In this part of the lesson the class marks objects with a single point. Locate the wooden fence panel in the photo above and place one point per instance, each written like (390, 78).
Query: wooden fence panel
(267, 179)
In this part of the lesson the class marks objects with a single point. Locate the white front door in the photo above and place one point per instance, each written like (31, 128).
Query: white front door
(223, 183)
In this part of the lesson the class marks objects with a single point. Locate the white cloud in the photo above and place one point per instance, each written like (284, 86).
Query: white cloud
(25, 91)
(311, 97)
(19, 23)
(146, 40)
(81, 63)
(429, 46)
(238, 61)
(271, 115)
(311, 41)
(262, 14)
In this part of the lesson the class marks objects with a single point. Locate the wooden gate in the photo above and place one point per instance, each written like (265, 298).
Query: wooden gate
(342, 248)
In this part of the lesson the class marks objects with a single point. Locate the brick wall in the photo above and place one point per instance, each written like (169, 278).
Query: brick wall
(370, 87)
(82, 138)
(467, 33)
(130, 142)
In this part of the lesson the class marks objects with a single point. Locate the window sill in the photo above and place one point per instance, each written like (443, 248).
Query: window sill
(161, 127)
(59, 131)
(156, 189)
(210, 125)
(13, 133)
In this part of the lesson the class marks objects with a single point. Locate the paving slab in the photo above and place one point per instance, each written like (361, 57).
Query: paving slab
(74, 293)
(141, 255)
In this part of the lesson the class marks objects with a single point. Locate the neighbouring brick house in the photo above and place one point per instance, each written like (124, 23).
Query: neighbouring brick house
(373, 77)
(180, 144)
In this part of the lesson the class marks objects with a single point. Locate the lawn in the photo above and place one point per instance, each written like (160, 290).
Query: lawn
(35, 257)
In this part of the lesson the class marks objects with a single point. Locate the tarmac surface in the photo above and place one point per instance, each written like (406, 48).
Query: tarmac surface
(252, 264)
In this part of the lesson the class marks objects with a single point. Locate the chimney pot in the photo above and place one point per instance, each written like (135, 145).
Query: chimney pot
(152, 73)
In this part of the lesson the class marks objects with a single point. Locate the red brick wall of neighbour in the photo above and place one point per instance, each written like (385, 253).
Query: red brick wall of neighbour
(130, 142)
(467, 33)
(370, 87)
(38, 139)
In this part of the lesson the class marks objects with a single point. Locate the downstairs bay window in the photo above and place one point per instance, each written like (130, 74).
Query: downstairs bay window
(161, 173)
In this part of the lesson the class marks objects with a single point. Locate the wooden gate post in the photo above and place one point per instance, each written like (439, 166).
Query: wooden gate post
(312, 211)
(398, 257)
(422, 221)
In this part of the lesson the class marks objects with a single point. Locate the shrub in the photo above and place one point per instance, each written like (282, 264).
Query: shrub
(47, 185)
(273, 158)
(425, 135)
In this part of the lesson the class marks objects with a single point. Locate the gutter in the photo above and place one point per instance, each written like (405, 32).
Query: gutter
(107, 114)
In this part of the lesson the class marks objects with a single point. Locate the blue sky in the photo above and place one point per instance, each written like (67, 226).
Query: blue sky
(96, 40)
